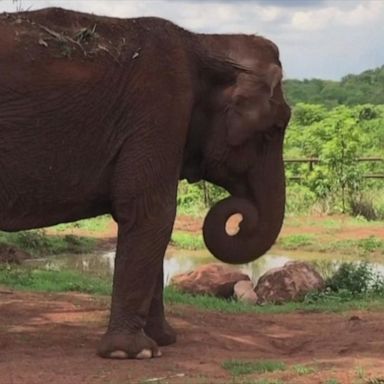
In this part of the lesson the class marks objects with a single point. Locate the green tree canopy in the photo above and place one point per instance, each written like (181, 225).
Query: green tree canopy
(364, 88)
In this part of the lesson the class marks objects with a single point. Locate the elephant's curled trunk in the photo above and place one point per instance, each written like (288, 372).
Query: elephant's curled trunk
(262, 214)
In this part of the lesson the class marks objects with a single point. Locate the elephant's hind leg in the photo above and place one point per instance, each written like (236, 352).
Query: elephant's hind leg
(157, 327)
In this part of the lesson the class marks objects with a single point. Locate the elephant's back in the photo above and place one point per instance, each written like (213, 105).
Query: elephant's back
(60, 33)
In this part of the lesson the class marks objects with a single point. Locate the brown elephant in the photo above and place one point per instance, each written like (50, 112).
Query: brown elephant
(101, 115)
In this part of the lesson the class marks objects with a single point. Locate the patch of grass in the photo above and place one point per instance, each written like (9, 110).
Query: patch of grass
(96, 224)
(40, 280)
(38, 243)
(185, 240)
(292, 242)
(331, 224)
(317, 303)
(302, 370)
(370, 244)
(239, 367)
(332, 381)
(350, 247)
(359, 247)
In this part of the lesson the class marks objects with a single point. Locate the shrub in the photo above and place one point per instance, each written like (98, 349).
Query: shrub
(300, 199)
(355, 278)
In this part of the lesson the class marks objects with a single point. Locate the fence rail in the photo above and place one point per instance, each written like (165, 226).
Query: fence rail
(313, 160)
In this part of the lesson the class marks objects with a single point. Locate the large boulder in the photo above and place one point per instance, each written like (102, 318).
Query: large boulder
(288, 283)
(243, 291)
(210, 279)
(10, 254)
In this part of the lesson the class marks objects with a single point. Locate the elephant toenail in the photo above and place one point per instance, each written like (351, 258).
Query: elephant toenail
(144, 354)
(157, 354)
(118, 355)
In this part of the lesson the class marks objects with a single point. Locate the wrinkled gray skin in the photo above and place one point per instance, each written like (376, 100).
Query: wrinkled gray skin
(111, 124)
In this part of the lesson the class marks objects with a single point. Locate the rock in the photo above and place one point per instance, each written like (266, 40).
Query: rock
(210, 279)
(9, 254)
(243, 291)
(288, 283)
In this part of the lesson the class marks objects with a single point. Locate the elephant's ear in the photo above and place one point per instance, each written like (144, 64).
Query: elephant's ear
(249, 109)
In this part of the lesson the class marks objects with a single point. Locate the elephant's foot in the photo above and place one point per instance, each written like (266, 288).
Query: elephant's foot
(127, 346)
(161, 332)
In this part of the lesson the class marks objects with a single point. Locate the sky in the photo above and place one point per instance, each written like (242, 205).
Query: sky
(324, 39)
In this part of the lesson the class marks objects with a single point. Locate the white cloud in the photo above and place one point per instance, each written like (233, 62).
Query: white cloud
(364, 12)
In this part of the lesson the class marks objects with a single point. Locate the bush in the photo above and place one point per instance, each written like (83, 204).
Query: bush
(363, 208)
(355, 278)
(300, 199)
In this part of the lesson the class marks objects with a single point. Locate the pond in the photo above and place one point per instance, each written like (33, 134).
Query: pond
(180, 261)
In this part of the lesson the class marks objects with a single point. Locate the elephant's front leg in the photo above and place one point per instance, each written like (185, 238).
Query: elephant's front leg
(139, 259)
(157, 327)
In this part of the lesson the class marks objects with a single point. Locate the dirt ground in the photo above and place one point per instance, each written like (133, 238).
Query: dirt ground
(51, 338)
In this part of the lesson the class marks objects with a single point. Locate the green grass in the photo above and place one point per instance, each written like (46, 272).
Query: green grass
(331, 224)
(186, 240)
(39, 280)
(327, 303)
(38, 243)
(96, 224)
(351, 247)
(332, 381)
(302, 370)
(292, 242)
(240, 367)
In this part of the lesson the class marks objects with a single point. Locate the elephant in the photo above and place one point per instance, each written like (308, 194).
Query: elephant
(103, 115)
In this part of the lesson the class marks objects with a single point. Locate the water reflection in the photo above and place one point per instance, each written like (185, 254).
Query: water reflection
(180, 261)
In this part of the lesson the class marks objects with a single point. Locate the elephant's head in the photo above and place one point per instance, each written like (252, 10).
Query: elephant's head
(236, 141)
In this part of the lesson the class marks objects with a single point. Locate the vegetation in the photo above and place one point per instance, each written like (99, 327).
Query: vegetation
(351, 90)
(37, 243)
(312, 243)
(240, 367)
(40, 280)
(302, 370)
(185, 240)
(356, 278)
(58, 239)
(352, 286)
(337, 139)
(96, 224)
